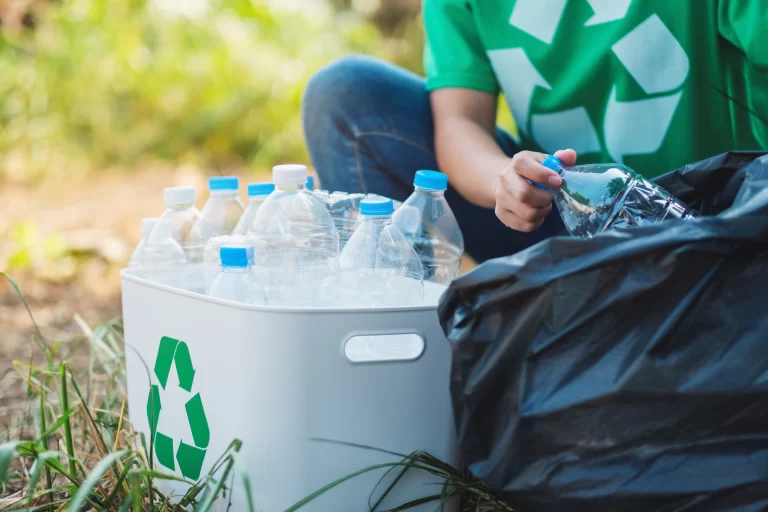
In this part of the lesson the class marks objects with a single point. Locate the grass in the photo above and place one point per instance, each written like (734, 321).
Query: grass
(73, 448)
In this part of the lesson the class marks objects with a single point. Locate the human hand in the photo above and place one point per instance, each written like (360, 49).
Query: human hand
(520, 204)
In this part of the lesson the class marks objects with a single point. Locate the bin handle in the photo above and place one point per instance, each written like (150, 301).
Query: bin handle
(365, 348)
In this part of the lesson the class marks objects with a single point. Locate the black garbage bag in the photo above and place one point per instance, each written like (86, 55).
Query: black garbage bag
(628, 372)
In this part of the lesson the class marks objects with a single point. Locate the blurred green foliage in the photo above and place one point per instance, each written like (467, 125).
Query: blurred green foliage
(117, 83)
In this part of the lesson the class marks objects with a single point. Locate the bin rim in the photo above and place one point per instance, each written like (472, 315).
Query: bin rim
(127, 275)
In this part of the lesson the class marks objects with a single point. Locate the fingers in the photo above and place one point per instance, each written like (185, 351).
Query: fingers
(520, 205)
(512, 220)
(567, 156)
(528, 165)
(522, 190)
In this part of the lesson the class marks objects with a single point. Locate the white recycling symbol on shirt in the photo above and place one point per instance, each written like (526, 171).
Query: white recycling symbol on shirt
(650, 53)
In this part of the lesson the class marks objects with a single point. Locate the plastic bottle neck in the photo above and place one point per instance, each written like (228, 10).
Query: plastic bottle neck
(379, 220)
(291, 188)
(258, 199)
(180, 206)
(429, 192)
(224, 194)
(234, 270)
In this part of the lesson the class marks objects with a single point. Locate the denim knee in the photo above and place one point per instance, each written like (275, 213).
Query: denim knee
(338, 90)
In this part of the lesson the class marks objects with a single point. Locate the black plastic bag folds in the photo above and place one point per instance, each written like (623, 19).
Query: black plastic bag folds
(628, 372)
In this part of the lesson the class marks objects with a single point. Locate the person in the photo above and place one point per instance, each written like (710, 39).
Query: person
(652, 84)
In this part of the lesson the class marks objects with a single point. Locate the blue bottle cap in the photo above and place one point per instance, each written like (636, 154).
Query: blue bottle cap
(239, 257)
(223, 183)
(310, 182)
(552, 163)
(376, 207)
(431, 180)
(260, 189)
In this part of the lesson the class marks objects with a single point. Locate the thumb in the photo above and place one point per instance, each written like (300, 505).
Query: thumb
(567, 156)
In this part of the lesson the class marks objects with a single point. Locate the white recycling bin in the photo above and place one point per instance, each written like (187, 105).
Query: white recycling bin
(314, 394)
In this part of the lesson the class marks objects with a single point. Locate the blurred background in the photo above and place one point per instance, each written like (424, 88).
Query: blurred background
(103, 103)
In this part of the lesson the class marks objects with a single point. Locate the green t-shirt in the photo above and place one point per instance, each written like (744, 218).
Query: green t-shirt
(653, 84)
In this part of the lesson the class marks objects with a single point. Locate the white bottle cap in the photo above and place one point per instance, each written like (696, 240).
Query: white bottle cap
(291, 174)
(147, 225)
(179, 195)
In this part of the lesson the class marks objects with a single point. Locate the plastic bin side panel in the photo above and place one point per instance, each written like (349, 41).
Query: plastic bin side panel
(282, 383)
(208, 366)
(392, 406)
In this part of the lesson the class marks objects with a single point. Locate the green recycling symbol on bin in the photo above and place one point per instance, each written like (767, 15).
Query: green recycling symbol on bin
(189, 457)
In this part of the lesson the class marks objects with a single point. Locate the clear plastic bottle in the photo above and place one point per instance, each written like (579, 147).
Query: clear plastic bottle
(236, 281)
(296, 242)
(345, 211)
(428, 223)
(211, 255)
(183, 224)
(223, 208)
(161, 258)
(596, 197)
(257, 194)
(379, 267)
(146, 228)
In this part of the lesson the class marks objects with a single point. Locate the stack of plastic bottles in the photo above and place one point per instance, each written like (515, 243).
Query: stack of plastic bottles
(294, 247)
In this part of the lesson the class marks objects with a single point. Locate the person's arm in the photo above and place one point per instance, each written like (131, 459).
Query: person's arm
(478, 169)
(465, 121)
(463, 92)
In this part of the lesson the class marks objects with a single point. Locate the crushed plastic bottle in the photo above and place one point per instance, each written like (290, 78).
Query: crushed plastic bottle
(236, 282)
(180, 226)
(379, 267)
(345, 210)
(223, 208)
(597, 197)
(146, 228)
(257, 194)
(428, 223)
(296, 243)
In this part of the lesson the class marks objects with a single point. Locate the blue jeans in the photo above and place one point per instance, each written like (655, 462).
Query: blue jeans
(368, 127)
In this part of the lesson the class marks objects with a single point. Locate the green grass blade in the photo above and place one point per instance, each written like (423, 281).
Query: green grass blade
(44, 442)
(119, 483)
(240, 468)
(164, 476)
(93, 478)
(136, 492)
(67, 423)
(37, 471)
(24, 302)
(337, 482)
(415, 503)
(358, 445)
(126, 506)
(211, 497)
(57, 425)
(389, 489)
(7, 451)
(193, 491)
